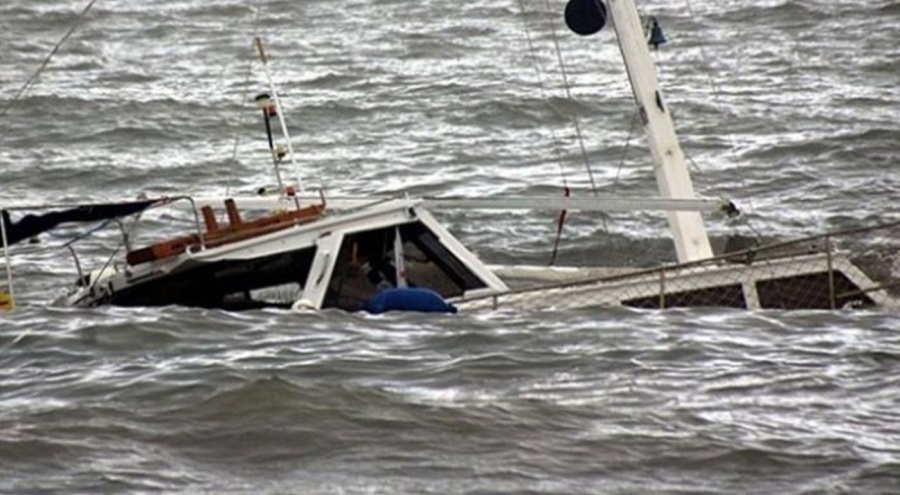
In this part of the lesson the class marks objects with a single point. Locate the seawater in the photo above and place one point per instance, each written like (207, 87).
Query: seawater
(788, 107)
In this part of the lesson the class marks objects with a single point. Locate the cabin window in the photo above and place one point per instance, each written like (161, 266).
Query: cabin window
(810, 292)
(365, 265)
(232, 284)
(725, 296)
(272, 281)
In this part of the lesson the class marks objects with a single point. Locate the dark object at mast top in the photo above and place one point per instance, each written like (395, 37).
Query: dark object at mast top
(585, 17)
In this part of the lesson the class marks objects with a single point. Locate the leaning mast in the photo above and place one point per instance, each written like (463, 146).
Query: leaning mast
(672, 176)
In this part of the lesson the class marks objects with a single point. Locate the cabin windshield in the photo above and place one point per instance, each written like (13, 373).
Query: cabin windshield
(365, 265)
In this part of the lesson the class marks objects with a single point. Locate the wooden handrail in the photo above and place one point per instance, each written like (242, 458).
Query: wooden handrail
(217, 235)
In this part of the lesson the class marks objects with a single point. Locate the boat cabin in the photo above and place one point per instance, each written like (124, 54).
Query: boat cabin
(306, 259)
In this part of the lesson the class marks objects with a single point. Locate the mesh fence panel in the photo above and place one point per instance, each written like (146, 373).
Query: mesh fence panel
(810, 273)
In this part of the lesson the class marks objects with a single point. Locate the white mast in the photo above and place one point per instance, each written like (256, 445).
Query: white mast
(672, 177)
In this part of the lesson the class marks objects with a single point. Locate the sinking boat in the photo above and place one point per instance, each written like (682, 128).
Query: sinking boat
(306, 252)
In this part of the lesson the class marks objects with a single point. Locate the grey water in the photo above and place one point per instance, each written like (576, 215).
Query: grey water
(788, 107)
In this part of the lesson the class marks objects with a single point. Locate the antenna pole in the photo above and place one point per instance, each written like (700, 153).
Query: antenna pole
(268, 108)
(284, 129)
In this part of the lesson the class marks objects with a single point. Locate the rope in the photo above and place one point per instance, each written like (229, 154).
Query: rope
(34, 76)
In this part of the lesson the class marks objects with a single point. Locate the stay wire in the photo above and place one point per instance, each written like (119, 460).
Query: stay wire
(566, 87)
(659, 69)
(717, 96)
(34, 76)
(557, 144)
(532, 55)
(625, 148)
(657, 62)
(716, 90)
(244, 95)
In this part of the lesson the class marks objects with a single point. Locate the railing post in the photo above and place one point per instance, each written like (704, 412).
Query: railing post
(197, 223)
(662, 289)
(9, 276)
(828, 260)
(77, 263)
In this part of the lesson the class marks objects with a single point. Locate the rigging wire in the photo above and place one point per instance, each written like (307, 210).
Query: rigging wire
(717, 96)
(34, 76)
(716, 90)
(648, 27)
(574, 118)
(245, 96)
(532, 55)
(657, 62)
(634, 119)
(566, 87)
(22, 91)
(562, 215)
(557, 145)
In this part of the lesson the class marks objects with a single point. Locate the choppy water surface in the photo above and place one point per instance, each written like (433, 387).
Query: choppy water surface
(788, 107)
